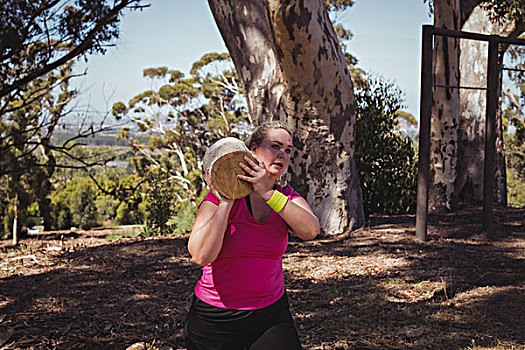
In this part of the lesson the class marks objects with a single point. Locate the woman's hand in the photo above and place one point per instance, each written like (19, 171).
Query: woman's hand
(257, 175)
(297, 213)
(207, 177)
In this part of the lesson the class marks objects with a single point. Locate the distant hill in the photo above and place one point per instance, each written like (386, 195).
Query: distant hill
(102, 139)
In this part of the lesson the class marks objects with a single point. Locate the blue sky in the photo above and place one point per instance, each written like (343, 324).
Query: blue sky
(176, 33)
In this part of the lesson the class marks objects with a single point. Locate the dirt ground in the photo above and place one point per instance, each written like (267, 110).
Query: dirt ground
(374, 288)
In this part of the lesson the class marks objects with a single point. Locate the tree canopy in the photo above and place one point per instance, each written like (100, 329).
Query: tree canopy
(40, 36)
(39, 43)
(505, 10)
(183, 116)
(500, 10)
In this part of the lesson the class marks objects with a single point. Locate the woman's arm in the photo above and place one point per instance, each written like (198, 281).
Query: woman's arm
(208, 229)
(299, 216)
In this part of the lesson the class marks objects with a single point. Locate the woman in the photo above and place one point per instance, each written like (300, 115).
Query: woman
(240, 301)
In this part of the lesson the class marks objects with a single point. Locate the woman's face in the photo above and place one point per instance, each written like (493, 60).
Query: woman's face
(274, 151)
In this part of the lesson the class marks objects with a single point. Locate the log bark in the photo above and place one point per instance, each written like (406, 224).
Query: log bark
(222, 162)
(292, 68)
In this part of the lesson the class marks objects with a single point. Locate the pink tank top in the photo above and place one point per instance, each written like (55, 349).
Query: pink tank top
(247, 274)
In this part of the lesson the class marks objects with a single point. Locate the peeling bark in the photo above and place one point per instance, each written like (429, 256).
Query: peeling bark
(473, 68)
(445, 108)
(458, 116)
(292, 68)
(247, 33)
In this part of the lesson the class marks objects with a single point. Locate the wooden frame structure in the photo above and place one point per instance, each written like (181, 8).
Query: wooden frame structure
(492, 88)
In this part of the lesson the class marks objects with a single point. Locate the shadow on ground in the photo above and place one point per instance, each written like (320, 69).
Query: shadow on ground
(377, 288)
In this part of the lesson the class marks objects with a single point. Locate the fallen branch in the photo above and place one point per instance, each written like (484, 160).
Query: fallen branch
(26, 257)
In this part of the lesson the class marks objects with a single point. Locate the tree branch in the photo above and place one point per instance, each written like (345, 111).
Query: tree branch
(85, 45)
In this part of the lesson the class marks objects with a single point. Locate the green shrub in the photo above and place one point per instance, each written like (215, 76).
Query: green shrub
(515, 159)
(386, 161)
(63, 220)
(119, 234)
(106, 207)
(75, 205)
(128, 215)
(7, 223)
(182, 220)
(516, 189)
(160, 198)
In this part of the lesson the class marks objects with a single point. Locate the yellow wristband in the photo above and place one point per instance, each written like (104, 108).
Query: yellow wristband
(277, 201)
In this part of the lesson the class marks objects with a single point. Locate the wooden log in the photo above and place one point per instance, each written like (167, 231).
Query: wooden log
(222, 162)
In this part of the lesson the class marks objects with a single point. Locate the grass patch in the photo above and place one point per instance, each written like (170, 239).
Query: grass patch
(119, 233)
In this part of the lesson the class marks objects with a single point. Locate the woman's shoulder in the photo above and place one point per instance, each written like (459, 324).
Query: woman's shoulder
(210, 197)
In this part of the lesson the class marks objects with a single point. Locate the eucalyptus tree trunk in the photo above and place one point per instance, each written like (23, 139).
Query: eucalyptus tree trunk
(292, 68)
(445, 108)
(473, 68)
(15, 220)
(458, 116)
(44, 187)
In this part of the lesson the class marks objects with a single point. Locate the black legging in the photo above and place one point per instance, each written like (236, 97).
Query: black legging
(212, 328)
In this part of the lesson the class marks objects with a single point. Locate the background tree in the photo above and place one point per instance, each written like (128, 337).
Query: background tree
(183, 116)
(19, 195)
(514, 128)
(486, 18)
(26, 134)
(39, 42)
(112, 194)
(40, 36)
(458, 115)
(515, 156)
(292, 68)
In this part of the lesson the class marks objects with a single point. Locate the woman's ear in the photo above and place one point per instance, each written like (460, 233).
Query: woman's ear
(253, 148)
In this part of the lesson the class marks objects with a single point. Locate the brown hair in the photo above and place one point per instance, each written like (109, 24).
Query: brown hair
(260, 132)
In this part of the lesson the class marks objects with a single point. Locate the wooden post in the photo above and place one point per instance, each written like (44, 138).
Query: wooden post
(490, 135)
(423, 174)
